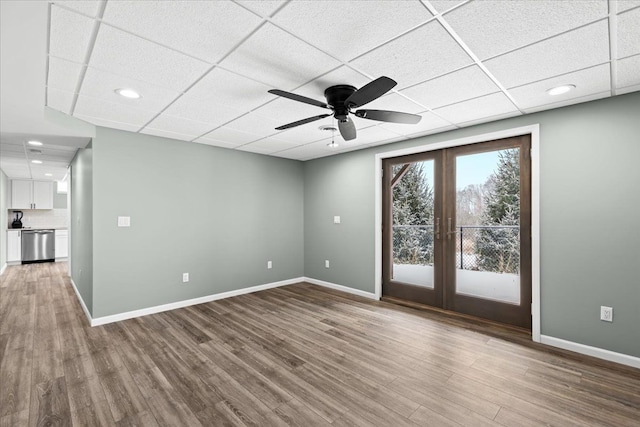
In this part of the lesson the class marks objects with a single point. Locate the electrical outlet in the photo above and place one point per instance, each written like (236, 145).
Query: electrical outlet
(326, 263)
(269, 265)
(185, 277)
(606, 313)
(336, 219)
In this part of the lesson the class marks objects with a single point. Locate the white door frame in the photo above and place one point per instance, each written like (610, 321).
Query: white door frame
(534, 130)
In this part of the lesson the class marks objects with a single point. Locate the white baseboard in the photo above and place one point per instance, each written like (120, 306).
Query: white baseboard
(84, 307)
(186, 303)
(600, 353)
(342, 288)
(4, 267)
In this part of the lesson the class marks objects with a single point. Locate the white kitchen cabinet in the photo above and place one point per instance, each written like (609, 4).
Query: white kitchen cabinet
(62, 244)
(27, 194)
(21, 194)
(14, 245)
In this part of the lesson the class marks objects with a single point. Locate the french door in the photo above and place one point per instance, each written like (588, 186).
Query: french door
(457, 229)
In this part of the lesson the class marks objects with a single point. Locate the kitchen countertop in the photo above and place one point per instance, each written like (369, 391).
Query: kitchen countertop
(37, 228)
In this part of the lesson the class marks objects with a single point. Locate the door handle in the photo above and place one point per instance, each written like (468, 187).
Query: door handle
(450, 231)
(437, 229)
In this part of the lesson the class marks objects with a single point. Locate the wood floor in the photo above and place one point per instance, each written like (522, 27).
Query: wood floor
(297, 355)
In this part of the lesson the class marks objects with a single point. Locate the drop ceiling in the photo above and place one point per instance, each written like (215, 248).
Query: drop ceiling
(203, 68)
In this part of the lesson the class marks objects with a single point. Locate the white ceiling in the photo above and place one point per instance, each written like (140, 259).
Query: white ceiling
(204, 68)
(23, 116)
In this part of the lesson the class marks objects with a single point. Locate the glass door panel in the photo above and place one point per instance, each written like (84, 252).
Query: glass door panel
(411, 248)
(413, 223)
(488, 225)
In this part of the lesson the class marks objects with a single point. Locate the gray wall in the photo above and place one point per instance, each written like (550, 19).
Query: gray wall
(217, 214)
(590, 199)
(4, 220)
(81, 224)
(59, 199)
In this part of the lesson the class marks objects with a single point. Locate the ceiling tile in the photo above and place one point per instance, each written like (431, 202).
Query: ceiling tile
(121, 53)
(63, 74)
(166, 134)
(60, 100)
(179, 125)
(344, 29)
(262, 7)
(207, 30)
(485, 106)
(629, 33)
(256, 124)
(394, 102)
(571, 51)
(203, 110)
(267, 145)
(627, 4)
(231, 136)
(229, 89)
(15, 168)
(369, 135)
(107, 123)
(94, 107)
(215, 143)
(592, 80)
(286, 110)
(278, 59)
(431, 131)
(487, 119)
(100, 84)
(313, 150)
(444, 5)
(70, 34)
(571, 101)
(422, 54)
(490, 28)
(428, 122)
(629, 71)
(306, 133)
(467, 83)
(86, 7)
(340, 76)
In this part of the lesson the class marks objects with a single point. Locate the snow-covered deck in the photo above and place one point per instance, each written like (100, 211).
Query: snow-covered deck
(504, 287)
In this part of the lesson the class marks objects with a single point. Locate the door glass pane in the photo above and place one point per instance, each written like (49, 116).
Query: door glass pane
(487, 225)
(412, 204)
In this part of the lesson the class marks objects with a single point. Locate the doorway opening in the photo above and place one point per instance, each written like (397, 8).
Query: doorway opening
(457, 229)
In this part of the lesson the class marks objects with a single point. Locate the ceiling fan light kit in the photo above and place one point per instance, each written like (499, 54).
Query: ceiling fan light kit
(343, 98)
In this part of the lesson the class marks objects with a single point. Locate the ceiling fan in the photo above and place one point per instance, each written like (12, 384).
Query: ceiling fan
(343, 98)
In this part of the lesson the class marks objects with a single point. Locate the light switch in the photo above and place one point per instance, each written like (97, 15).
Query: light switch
(124, 221)
(336, 219)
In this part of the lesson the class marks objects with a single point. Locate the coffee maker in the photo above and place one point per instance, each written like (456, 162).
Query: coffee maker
(17, 223)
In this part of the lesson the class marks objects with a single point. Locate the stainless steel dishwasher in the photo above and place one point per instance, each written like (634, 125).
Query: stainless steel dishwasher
(38, 246)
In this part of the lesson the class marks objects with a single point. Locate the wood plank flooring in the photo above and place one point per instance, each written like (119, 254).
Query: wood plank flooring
(297, 355)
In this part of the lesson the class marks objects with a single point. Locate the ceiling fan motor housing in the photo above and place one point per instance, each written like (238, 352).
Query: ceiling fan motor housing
(336, 95)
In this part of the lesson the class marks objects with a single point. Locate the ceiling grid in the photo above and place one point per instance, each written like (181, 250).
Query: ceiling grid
(457, 63)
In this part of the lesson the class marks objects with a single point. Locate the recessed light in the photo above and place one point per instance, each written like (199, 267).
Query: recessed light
(37, 162)
(48, 174)
(128, 93)
(38, 143)
(559, 90)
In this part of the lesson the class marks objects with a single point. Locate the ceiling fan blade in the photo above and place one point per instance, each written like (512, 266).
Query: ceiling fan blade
(370, 91)
(347, 129)
(298, 98)
(389, 116)
(303, 121)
